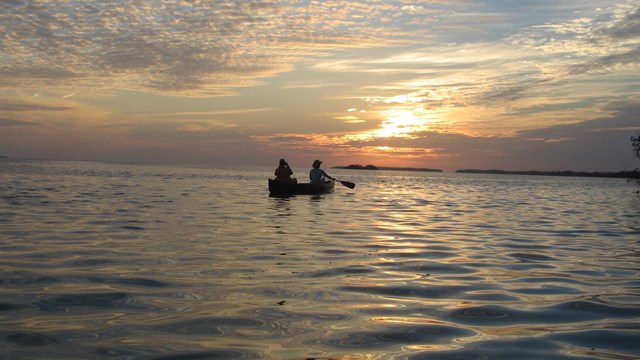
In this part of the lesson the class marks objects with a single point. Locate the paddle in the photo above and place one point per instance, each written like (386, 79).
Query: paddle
(348, 184)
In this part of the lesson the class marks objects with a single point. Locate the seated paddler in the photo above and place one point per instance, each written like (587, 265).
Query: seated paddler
(317, 175)
(283, 172)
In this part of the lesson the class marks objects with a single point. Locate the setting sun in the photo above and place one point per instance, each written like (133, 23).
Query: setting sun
(401, 123)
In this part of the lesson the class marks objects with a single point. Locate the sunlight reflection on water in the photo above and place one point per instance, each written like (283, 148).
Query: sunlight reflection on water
(128, 262)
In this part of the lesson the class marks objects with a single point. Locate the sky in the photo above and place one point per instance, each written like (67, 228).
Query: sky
(446, 84)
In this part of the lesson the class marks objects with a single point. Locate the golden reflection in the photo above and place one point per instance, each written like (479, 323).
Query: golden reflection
(407, 320)
(55, 324)
(360, 356)
(373, 306)
(432, 347)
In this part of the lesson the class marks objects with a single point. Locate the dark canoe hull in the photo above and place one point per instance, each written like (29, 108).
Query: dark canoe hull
(281, 188)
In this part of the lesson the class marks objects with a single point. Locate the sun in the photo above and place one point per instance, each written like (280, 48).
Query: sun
(401, 123)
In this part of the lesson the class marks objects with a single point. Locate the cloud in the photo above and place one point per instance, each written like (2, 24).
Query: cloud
(205, 126)
(194, 128)
(18, 106)
(535, 59)
(13, 74)
(584, 46)
(623, 119)
(350, 119)
(12, 122)
(211, 47)
(606, 62)
(197, 47)
(214, 113)
(628, 27)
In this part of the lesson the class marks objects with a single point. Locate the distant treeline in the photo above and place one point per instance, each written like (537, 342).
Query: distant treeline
(634, 174)
(373, 167)
(626, 174)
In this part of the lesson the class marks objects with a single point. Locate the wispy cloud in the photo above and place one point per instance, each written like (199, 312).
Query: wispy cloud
(20, 106)
(603, 63)
(626, 26)
(205, 126)
(214, 113)
(12, 122)
(199, 47)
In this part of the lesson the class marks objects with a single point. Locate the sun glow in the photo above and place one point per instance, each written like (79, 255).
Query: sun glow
(401, 123)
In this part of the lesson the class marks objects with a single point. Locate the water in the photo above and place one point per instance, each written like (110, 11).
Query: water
(158, 262)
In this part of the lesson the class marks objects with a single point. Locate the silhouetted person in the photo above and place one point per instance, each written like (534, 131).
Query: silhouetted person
(317, 175)
(283, 172)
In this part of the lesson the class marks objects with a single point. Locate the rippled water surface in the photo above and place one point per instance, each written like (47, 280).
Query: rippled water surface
(159, 262)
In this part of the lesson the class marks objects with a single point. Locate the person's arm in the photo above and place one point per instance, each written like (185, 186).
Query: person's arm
(327, 175)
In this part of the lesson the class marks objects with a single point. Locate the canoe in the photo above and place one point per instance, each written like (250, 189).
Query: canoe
(282, 188)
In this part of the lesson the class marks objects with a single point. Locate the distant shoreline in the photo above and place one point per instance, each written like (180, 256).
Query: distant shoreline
(372, 167)
(620, 174)
(625, 174)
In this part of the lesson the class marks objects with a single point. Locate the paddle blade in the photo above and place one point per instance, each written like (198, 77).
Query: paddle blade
(348, 184)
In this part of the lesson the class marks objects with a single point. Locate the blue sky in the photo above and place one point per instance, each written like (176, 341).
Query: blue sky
(450, 84)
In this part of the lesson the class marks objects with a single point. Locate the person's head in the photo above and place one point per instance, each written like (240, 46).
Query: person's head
(316, 164)
(283, 162)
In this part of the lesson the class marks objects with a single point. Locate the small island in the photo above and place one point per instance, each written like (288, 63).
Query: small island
(373, 167)
(620, 174)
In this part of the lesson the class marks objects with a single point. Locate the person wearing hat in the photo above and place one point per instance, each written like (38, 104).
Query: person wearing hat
(317, 175)
(283, 172)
